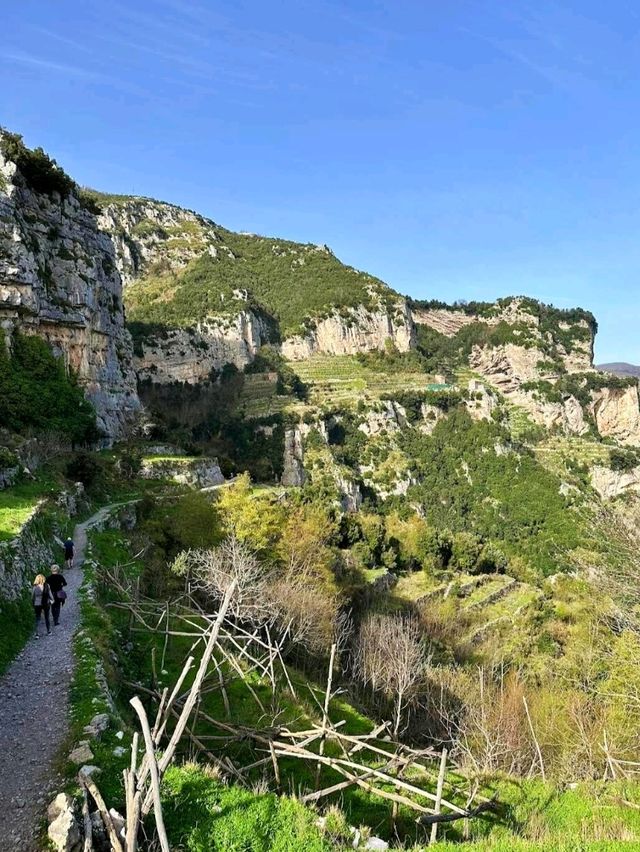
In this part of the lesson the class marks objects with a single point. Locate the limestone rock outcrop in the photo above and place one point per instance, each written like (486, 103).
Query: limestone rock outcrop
(147, 232)
(190, 355)
(443, 321)
(389, 416)
(293, 473)
(194, 472)
(612, 483)
(58, 280)
(617, 413)
(358, 330)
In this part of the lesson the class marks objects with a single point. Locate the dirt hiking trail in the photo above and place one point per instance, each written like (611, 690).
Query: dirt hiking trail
(34, 713)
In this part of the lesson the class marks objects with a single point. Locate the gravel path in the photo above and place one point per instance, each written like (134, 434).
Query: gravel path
(34, 711)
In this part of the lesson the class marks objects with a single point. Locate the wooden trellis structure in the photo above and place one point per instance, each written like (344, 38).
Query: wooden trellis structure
(414, 779)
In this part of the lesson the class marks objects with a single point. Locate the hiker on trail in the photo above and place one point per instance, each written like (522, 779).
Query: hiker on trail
(68, 553)
(56, 583)
(42, 599)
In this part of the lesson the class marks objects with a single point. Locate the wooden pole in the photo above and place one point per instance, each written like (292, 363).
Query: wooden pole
(86, 818)
(188, 706)
(153, 770)
(166, 637)
(90, 784)
(325, 711)
(535, 740)
(438, 805)
(276, 768)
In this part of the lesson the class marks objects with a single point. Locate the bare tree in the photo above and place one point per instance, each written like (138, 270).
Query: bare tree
(232, 562)
(310, 612)
(390, 657)
(614, 565)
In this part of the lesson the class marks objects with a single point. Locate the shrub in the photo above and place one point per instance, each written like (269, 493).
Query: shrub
(623, 460)
(465, 551)
(491, 560)
(40, 172)
(36, 392)
(130, 463)
(434, 548)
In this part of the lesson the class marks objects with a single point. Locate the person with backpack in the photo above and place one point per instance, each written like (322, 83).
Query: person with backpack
(68, 552)
(56, 583)
(41, 599)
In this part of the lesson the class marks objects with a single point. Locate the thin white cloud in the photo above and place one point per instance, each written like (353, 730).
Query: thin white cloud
(70, 71)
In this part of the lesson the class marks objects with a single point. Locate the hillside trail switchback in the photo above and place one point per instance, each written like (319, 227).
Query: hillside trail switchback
(34, 713)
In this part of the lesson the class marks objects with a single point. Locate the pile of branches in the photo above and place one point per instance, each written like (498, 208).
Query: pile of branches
(376, 762)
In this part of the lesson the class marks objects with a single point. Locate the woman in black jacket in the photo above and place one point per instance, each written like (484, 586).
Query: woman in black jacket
(56, 583)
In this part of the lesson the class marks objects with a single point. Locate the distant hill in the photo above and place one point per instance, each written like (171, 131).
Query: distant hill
(620, 368)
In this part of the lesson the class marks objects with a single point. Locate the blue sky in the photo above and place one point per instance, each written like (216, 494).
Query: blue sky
(457, 150)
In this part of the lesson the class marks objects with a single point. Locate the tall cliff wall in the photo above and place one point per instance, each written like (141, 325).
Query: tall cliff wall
(58, 280)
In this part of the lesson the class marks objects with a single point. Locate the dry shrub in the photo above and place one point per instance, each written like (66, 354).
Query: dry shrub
(303, 605)
(389, 656)
(602, 827)
(213, 571)
(484, 717)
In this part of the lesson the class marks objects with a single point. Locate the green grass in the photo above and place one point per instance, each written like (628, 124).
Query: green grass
(15, 511)
(16, 625)
(202, 815)
(415, 585)
(18, 503)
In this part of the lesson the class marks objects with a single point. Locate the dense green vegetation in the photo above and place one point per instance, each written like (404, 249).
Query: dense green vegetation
(471, 479)
(36, 393)
(292, 283)
(506, 497)
(40, 172)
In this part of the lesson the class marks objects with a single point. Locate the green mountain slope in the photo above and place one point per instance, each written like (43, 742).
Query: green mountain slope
(186, 268)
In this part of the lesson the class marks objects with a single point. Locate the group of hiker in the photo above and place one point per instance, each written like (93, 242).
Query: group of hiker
(48, 595)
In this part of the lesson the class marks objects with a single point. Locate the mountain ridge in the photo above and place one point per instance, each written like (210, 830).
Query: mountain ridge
(621, 368)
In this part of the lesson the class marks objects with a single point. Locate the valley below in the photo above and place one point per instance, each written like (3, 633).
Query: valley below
(370, 572)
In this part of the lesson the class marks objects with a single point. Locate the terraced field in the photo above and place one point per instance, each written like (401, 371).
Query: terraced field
(333, 380)
(344, 380)
(558, 450)
(494, 609)
(259, 397)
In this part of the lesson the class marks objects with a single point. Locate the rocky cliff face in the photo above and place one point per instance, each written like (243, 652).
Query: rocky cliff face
(190, 355)
(155, 238)
(358, 330)
(612, 483)
(58, 280)
(149, 233)
(617, 413)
